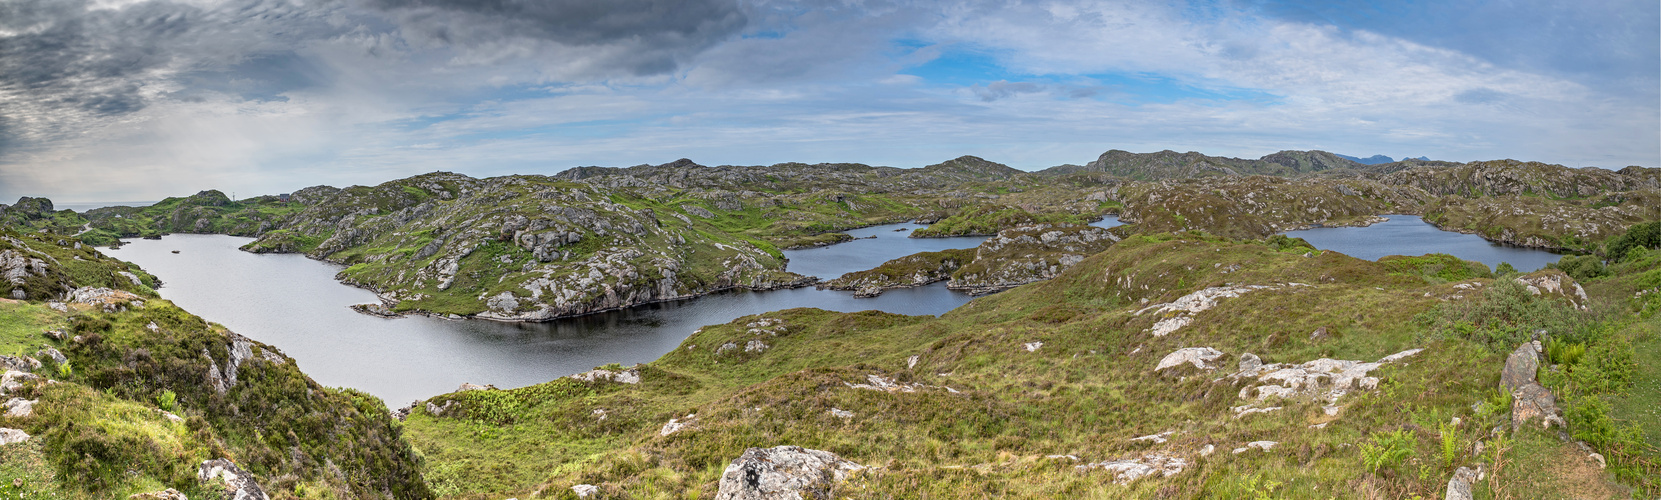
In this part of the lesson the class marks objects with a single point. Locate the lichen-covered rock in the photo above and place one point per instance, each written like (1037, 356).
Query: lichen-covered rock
(1322, 379)
(20, 363)
(1534, 402)
(1520, 367)
(1130, 469)
(1196, 356)
(628, 376)
(784, 472)
(1179, 313)
(9, 436)
(1554, 283)
(106, 299)
(1459, 486)
(19, 407)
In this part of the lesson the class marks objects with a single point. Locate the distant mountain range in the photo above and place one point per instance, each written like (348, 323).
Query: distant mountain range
(1377, 159)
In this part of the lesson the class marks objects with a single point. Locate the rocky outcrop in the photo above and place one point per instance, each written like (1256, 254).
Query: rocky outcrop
(1512, 177)
(19, 269)
(784, 472)
(1539, 222)
(1554, 283)
(910, 271)
(625, 376)
(1130, 469)
(1199, 357)
(1179, 313)
(238, 484)
(1529, 400)
(106, 299)
(1028, 254)
(1323, 380)
(20, 363)
(1259, 206)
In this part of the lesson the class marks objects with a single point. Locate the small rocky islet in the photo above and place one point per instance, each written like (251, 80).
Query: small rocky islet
(1191, 352)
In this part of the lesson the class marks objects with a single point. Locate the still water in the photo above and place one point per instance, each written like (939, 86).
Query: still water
(293, 303)
(1411, 235)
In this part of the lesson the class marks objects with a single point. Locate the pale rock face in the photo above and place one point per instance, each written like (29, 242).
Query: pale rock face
(1197, 356)
(783, 472)
(241, 350)
(885, 384)
(103, 298)
(13, 380)
(19, 407)
(585, 490)
(16, 268)
(9, 436)
(1327, 379)
(678, 424)
(239, 484)
(1180, 313)
(628, 376)
(1459, 486)
(1128, 470)
(167, 494)
(22, 364)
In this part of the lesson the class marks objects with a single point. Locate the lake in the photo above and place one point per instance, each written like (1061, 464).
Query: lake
(1411, 235)
(294, 303)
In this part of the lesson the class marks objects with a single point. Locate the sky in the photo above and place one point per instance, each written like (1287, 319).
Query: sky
(121, 100)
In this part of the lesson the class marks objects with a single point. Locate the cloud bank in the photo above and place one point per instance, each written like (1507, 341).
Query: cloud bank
(123, 100)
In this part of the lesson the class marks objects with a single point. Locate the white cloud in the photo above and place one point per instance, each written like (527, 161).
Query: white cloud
(809, 83)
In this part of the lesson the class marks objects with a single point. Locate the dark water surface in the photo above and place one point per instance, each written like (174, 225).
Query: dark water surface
(1411, 235)
(293, 303)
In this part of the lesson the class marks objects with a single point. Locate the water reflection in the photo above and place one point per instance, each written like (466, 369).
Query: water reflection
(294, 303)
(1411, 235)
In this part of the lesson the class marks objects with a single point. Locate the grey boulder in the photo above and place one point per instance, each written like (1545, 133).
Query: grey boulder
(783, 472)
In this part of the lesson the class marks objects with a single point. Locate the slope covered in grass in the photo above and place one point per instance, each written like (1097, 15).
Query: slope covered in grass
(1013, 393)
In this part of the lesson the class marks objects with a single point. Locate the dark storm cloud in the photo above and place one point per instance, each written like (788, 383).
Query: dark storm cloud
(655, 35)
(64, 64)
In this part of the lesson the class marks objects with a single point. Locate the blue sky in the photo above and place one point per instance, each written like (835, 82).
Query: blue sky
(124, 100)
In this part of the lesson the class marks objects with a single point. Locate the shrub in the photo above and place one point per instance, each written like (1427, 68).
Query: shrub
(1505, 315)
(1646, 235)
(1505, 268)
(1581, 267)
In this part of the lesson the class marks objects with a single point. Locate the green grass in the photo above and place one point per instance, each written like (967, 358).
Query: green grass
(1085, 392)
(21, 326)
